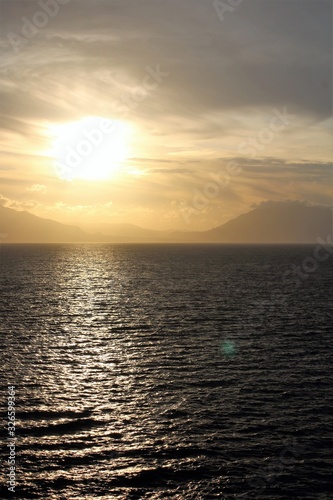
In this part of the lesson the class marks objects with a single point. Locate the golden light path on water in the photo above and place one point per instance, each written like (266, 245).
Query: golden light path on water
(145, 371)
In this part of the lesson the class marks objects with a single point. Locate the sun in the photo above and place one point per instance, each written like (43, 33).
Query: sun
(92, 148)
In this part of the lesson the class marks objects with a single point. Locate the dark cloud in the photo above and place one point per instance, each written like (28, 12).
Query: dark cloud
(224, 79)
(264, 54)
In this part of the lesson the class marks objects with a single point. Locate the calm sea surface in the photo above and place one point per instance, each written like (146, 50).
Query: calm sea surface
(168, 372)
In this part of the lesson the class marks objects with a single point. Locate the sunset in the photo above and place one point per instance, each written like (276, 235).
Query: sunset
(101, 147)
(188, 90)
(166, 248)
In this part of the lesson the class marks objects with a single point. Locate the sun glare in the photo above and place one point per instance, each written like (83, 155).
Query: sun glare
(92, 148)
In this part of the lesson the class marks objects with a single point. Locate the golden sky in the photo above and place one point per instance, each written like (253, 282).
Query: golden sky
(164, 113)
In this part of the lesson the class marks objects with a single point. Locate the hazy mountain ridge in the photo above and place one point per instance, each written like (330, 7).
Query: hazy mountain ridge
(276, 223)
(127, 233)
(23, 227)
(272, 222)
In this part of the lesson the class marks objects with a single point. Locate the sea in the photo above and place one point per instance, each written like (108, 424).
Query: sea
(166, 371)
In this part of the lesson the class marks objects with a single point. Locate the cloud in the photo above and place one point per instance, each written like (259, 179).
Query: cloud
(271, 203)
(265, 54)
(224, 80)
(37, 188)
(17, 204)
(170, 171)
(3, 200)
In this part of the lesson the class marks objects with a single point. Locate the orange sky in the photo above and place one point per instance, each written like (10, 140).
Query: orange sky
(165, 114)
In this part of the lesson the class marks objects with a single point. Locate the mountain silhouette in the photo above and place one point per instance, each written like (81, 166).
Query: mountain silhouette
(270, 222)
(127, 233)
(274, 222)
(23, 227)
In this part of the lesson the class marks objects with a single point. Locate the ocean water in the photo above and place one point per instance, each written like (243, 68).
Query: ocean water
(168, 372)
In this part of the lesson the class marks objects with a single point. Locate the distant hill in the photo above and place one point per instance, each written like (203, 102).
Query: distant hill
(273, 222)
(127, 233)
(23, 227)
(280, 222)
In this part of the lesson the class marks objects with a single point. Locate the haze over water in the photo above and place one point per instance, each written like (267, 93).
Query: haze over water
(167, 371)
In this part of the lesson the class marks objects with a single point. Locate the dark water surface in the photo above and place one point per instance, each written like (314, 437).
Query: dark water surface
(176, 372)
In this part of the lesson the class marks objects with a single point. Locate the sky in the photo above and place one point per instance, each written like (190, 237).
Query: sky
(168, 114)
